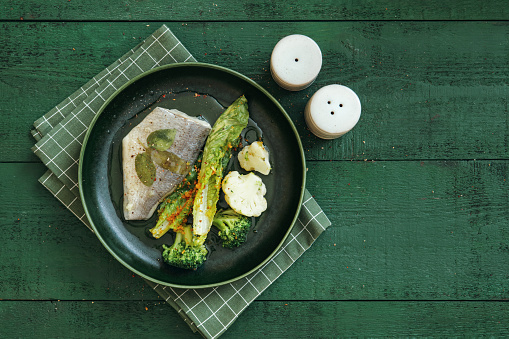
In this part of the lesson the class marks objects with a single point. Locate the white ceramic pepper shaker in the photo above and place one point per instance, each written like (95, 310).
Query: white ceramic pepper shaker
(332, 111)
(295, 62)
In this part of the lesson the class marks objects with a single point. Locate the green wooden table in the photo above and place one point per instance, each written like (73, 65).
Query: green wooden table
(417, 192)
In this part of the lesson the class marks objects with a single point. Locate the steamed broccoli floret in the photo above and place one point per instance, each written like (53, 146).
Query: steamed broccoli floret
(188, 251)
(233, 227)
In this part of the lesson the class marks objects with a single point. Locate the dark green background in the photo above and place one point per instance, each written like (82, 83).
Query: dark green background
(416, 192)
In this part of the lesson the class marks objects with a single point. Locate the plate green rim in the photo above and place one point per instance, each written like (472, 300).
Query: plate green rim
(205, 65)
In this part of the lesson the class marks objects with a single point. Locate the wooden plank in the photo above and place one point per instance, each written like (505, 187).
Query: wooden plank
(247, 10)
(281, 319)
(48, 253)
(407, 230)
(429, 90)
(401, 230)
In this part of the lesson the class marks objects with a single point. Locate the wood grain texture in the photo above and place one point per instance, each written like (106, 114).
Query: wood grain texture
(281, 319)
(417, 192)
(47, 253)
(408, 230)
(429, 90)
(223, 10)
(401, 230)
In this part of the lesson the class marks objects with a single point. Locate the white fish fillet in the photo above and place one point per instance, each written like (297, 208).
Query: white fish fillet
(140, 201)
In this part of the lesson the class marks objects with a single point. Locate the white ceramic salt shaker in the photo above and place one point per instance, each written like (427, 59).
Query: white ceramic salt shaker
(332, 111)
(295, 62)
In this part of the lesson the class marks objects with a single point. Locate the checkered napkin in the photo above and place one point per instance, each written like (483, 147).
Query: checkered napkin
(60, 133)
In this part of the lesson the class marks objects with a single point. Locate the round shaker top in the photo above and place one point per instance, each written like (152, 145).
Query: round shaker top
(335, 109)
(295, 62)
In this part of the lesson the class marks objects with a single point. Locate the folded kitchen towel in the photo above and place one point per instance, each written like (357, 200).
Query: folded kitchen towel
(59, 135)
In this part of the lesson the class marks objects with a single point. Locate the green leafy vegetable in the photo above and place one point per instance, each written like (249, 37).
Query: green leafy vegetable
(225, 131)
(145, 168)
(170, 161)
(162, 139)
(158, 143)
(175, 208)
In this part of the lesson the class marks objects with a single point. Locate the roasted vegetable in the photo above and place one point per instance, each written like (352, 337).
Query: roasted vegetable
(255, 158)
(224, 133)
(175, 209)
(188, 251)
(245, 193)
(233, 227)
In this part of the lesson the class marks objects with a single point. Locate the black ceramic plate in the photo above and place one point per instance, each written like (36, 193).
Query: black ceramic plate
(196, 89)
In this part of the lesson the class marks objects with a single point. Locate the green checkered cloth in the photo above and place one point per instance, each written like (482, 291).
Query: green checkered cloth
(60, 133)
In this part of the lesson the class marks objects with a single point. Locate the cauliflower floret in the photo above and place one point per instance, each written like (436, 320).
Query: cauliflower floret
(255, 158)
(245, 193)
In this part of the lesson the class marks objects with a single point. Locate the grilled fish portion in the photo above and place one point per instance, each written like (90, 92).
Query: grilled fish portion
(156, 156)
